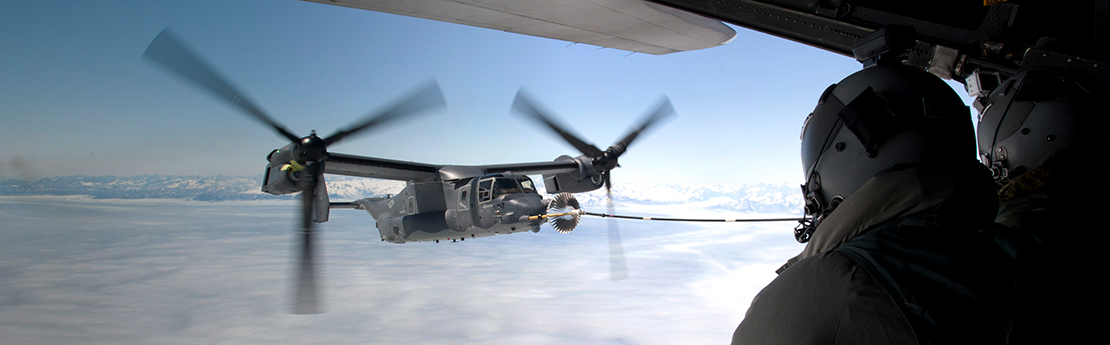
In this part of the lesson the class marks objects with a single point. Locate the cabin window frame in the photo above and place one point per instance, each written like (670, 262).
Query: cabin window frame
(485, 194)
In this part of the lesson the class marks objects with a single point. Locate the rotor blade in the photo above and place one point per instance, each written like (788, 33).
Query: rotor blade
(663, 110)
(322, 204)
(524, 105)
(426, 98)
(618, 270)
(307, 300)
(608, 184)
(171, 53)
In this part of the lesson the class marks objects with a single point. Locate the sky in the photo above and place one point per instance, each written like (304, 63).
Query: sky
(77, 100)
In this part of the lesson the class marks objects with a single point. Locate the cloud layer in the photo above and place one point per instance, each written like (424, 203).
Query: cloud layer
(86, 271)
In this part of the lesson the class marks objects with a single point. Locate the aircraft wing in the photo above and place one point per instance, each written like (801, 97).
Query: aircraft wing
(955, 37)
(537, 168)
(351, 165)
(360, 166)
(633, 25)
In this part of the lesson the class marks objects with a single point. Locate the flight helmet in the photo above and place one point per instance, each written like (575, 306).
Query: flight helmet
(1034, 114)
(884, 116)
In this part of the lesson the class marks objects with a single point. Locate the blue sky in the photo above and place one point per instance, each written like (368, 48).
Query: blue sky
(76, 99)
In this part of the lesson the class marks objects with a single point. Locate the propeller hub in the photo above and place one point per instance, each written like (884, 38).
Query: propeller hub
(608, 160)
(311, 149)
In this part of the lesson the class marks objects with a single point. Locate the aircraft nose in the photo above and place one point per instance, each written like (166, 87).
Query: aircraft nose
(526, 205)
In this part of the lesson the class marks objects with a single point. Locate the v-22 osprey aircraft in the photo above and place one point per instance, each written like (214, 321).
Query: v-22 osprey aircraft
(455, 202)
(439, 202)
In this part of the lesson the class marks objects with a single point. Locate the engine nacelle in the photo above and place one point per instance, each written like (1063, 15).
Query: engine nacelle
(584, 180)
(283, 173)
(565, 183)
(279, 182)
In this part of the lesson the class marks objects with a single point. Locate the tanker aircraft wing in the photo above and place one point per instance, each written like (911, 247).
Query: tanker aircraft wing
(976, 42)
(632, 25)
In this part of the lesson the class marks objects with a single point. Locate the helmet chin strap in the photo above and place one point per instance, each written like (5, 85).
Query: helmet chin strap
(805, 228)
(999, 172)
(808, 224)
(811, 192)
(815, 212)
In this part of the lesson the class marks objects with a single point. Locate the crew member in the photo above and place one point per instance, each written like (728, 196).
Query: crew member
(901, 247)
(1038, 136)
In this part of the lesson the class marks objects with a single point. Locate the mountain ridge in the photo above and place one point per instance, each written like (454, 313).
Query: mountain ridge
(750, 198)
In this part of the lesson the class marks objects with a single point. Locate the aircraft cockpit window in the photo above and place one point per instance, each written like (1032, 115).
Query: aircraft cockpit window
(492, 188)
(526, 183)
(504, 186)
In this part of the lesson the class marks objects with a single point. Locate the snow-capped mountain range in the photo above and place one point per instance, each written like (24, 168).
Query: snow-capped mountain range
(754, 198)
